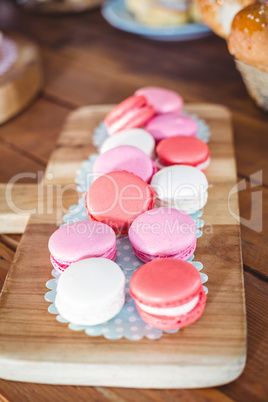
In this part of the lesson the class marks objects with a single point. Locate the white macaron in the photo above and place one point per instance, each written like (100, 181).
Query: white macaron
(90, 291)
(182, 187)
(136, 137)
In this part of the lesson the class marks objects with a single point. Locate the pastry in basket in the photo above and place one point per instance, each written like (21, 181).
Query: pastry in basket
(91, 291)
(168, 293)
(136, 137)
(163, 233)
(117, 198)
(219, 14)
(182, 150)
(248, 43)
(182, 187)
(125, 157)
(79, 240)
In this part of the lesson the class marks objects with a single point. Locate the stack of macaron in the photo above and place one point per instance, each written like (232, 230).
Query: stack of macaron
(147, 181)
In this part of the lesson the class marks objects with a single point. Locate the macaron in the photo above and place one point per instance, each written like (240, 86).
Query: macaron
(182, 187)
(163, 100)
(125, 157)
(117, 198)
(79, 240)
(137, 137)
(171, 125)
(90, 291)
(183, 150)
(168, 293)
(133, 112)
(163, 233)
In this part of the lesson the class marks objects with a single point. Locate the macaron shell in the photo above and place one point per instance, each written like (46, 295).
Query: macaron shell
(117, 198)
(131, 113)
(163, 100)
(90, 291)
(78, 240)
(61, 266)
(165, 283)
(182, 150)
(163, 232)
(172, 323)
(123, 107)
(136, 137)
(186, 182)
(171, 125)
(125, 157)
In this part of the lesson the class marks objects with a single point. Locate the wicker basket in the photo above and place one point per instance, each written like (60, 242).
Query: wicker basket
(256, 82)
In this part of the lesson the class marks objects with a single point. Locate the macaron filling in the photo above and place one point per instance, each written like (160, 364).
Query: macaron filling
(168, 293)
(201, 166)
(183, 255)
(190, 205)
(62, 265)
(171, 311)
(132, 112)
(182, 150)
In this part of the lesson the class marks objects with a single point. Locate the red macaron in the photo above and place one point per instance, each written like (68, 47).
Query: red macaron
(133, 112)
(183, 150)
(117, 198)
(168, 293)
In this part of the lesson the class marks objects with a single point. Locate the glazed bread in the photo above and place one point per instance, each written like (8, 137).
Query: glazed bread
(219, 14)
(248, 40)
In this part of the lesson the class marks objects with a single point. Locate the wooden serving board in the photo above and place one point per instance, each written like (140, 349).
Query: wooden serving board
(35, 347)
(22, 82)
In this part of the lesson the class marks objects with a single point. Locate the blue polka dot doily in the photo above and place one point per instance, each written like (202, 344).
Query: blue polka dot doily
(128, 322)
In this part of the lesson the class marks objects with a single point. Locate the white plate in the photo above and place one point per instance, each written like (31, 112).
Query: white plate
(119, 17)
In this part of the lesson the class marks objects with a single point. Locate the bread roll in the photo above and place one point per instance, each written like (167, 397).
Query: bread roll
(248, 43)
(219, 14)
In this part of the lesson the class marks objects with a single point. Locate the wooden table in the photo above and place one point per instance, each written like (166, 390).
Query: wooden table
(88, 62)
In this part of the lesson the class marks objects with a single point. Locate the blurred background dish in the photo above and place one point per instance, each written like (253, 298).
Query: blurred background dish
(160, 20)
(163, 13)
(59, 6)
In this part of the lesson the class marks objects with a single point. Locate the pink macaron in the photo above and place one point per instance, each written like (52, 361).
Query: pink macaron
(117, 198)
(183, 150)
(125, 157)
(163, 100)
(171, 125)
(168, 293)
(77, 241)
(133, 112)
(163, 233)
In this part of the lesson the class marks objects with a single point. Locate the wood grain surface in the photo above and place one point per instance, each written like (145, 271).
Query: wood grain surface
(210, 352)
(88, 62)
